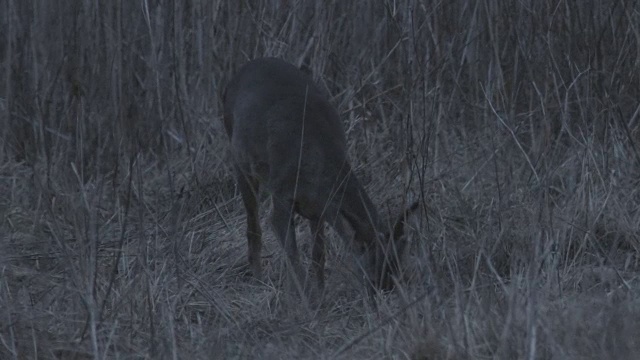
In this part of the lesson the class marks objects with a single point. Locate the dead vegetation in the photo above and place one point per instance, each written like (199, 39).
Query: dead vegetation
(517, 123)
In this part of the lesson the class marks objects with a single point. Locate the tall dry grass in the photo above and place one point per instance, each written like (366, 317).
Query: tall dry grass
(516, 123)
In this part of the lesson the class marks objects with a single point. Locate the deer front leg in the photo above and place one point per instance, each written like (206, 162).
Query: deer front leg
(318, 259)
(283, 226)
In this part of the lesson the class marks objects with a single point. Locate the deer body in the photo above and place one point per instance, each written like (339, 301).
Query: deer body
(288, 139)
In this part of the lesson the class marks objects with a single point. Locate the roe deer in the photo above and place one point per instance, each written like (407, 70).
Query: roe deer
(286, 136)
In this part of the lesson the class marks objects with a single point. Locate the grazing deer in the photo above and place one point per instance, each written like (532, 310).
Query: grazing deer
(286, 136)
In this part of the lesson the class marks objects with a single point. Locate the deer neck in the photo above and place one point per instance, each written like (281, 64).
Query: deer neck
(359, 211)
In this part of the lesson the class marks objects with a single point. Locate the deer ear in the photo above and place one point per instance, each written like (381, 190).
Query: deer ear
(398, 227)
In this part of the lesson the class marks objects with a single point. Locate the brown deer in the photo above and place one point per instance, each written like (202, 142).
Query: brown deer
(287, 137)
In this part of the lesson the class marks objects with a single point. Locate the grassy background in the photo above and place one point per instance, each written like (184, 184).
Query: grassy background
(516, 122)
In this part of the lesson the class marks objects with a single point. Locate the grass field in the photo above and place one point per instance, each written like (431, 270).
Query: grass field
(517, 125)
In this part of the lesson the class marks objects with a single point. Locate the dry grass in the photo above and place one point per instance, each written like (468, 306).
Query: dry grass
(516, 123)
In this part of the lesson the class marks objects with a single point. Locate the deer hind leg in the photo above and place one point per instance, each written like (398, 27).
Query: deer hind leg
(249, 187)
(283, 226)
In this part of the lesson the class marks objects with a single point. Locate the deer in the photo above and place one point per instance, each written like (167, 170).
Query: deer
(286, 137)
